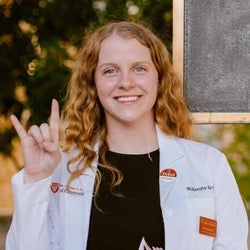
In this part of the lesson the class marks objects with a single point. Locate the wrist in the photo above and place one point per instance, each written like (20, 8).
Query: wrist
(27, 178)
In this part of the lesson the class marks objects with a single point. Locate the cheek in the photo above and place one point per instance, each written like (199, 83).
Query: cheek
(101, 95)
(104, 89)
(150, 85)
(155, 95)
(154, 90)
(101, 86)
(99, 89)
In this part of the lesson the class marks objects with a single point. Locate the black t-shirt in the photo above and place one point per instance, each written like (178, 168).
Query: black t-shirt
(125, 221)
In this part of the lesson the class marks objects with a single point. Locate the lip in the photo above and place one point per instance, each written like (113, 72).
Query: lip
(127, 99)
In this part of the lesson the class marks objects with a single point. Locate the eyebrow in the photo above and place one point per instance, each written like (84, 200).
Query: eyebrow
(115, 64)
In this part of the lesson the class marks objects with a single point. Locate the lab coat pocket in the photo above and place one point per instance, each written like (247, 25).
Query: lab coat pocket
(203, 222)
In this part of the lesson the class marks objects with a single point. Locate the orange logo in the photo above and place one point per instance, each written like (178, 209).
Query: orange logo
(208, 226)
(168, 174)
(55, 187)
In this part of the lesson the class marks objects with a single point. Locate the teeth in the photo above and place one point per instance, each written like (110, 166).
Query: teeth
(127, 98)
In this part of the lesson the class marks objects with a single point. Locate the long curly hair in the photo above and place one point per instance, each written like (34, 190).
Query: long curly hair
(83, 115)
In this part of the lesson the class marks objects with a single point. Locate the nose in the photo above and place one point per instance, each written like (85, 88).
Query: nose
(126, 81)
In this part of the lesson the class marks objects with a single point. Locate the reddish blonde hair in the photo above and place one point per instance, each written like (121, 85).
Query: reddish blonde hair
(83, 115)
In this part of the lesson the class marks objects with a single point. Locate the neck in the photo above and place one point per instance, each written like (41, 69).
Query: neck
(132, 139)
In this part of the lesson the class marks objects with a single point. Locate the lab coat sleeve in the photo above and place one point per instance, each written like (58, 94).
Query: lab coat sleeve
(232, 221)
(29, 227)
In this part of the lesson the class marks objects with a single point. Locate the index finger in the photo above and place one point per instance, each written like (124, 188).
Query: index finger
(54, 121)
(18, 127)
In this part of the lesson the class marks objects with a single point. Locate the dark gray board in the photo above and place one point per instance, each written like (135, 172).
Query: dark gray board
(217, 55)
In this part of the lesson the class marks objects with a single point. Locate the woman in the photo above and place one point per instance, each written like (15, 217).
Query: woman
(127, 176)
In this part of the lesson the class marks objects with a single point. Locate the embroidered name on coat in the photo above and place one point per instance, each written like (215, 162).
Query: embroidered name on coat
(201, 188)
(58, 187)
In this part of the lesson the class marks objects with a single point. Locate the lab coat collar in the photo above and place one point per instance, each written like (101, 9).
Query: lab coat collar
(170, 148)
(172, 156)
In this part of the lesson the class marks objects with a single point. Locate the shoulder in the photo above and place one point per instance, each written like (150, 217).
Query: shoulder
(189, 147)
(204, 157)
(202, 151)
(198, 147)
(196, 153)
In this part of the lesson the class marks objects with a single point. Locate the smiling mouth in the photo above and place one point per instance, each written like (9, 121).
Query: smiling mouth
(127, 98)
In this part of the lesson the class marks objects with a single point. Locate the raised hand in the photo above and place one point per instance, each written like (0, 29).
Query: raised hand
(40, 146)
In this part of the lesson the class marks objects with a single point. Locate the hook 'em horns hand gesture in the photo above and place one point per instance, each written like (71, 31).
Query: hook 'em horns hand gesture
(40, 146)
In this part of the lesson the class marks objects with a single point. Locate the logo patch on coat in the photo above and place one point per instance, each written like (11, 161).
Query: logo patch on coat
(168, 174)
(58, 187)
(55, 187)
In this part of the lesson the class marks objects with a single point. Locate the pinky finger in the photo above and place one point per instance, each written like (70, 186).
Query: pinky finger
(18, 127)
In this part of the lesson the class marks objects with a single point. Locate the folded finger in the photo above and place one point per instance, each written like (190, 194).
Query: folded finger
(45, 132)
(36, 134)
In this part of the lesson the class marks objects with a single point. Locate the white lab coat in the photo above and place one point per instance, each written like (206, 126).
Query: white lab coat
(204, 186)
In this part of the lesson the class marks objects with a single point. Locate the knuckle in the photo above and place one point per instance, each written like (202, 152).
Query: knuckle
(44, 126)
(33, 128)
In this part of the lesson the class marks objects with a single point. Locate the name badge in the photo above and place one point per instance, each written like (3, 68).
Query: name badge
(168, 174)
(208, 226)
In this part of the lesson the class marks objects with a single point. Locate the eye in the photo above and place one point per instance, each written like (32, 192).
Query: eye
(139, 69)
(110, 71)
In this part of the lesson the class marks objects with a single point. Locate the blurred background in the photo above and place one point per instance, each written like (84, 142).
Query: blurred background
(39, 40)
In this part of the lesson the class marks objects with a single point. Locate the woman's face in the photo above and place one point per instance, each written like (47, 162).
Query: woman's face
(126, 81)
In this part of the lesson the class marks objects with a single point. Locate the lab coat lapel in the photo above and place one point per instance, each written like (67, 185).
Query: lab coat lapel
(170, 154)
(77, 208)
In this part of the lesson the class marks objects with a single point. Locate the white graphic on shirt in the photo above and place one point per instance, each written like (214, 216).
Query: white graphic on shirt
(145, 246)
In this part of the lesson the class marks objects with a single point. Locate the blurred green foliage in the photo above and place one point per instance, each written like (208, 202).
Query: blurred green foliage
(39, 40)
(235, 143)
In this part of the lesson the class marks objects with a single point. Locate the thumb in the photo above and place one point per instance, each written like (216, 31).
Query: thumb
(50, 147)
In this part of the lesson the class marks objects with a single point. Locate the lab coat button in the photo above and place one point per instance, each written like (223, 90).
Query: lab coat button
(169, 213)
